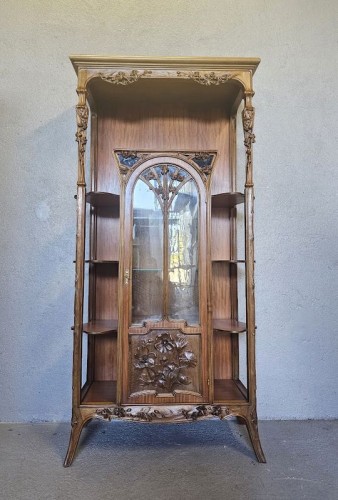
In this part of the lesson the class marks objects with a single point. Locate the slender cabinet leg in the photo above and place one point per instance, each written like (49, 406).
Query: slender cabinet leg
(77, 425)
(252, 426)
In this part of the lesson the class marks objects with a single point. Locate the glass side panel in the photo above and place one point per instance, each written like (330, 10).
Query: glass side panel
(147, 272)
(183, 253)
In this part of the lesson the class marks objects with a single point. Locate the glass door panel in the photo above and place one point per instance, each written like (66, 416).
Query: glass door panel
(147, 271)
(183, 254)
(165, 246)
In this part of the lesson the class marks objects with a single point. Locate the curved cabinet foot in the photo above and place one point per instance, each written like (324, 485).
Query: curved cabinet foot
(251, 425)
(77, 425)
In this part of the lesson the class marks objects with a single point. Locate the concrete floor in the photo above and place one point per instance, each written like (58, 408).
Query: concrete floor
(203, 460)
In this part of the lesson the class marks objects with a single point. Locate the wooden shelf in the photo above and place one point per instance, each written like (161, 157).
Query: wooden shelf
(226, 200)
(101, 199)
(97, 261)
(229, 390)
(228, 325)
(230, 261)
(100, 326)
(99, 392)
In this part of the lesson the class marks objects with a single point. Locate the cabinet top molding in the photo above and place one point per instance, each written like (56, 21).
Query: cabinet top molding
(92, 62)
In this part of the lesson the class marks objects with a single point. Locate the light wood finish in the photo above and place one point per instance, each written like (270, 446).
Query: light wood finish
(228, 325)
(99, 199)
(100, 393)
(160, 112)
(98, 327)
(228, 390)
(226, 200)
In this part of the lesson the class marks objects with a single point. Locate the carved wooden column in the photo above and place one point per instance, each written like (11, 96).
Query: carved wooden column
(81, 138)
(248, 115)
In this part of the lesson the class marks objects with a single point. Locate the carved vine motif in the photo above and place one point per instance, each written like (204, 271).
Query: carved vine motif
(123, 77)
(153, 414)
(248, 116)
(163, 361)
(211, 78)
(81, 136)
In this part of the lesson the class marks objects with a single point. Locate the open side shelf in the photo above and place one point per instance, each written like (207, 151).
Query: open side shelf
(230, 261)
(103, 199)
(229, 390)
(99, 392)
(227, 200)
(98, 261)
(228, 325)
(100, 326)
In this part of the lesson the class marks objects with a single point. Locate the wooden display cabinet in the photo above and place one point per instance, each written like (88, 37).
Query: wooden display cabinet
(162, 263)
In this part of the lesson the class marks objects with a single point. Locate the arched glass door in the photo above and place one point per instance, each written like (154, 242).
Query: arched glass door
(165, 246)
(164, 305)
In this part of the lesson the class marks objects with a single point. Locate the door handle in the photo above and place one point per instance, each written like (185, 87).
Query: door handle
(126, 276)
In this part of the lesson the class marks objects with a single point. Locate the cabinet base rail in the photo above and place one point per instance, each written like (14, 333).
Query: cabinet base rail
(246, 414)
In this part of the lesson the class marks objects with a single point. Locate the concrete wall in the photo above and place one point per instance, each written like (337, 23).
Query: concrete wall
(296, 176)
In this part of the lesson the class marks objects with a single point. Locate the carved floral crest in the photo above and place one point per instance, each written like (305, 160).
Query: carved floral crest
(123, 77)
(211, 78)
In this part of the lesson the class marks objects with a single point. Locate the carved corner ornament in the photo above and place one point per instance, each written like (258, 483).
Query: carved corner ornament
(158, 413)
(248, 116)
(211, 78)
(124, 77)
(81, 138)
(127, 160)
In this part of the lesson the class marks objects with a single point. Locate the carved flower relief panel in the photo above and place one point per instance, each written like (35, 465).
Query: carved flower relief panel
(164, 362)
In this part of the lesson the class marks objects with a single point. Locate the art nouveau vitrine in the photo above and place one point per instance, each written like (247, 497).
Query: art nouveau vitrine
(164, 325)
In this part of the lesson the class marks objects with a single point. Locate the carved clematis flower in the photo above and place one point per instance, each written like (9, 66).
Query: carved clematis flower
(145, 360)
(180, 342)
(164, 343)
(187, 358)
(169, 376)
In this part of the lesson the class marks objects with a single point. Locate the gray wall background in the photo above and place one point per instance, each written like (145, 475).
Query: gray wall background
(296, 177)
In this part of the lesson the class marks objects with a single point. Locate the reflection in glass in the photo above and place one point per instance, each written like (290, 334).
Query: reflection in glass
(147, 274)
(183, 254)
(165, 245)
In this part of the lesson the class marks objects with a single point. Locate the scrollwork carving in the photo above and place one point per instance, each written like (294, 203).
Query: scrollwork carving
(211, 78)
(123, 77)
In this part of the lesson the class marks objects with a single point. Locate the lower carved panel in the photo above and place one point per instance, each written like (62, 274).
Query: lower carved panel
(165, 363)
(163, 413)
